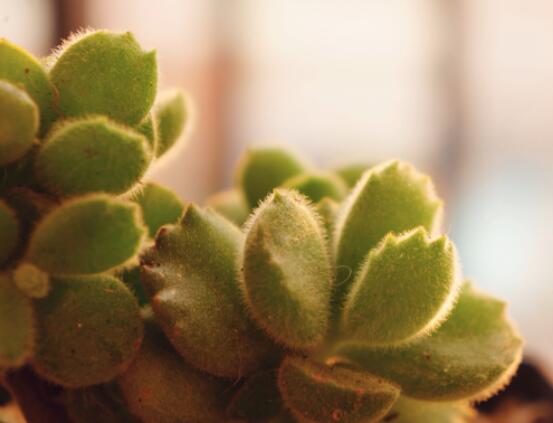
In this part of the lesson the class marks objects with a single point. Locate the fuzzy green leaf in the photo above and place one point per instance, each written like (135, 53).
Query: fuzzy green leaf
(471, 355)
(390, 197)
(32, 281)
(230, 204)
(351, 173)
(173, 116)
(149, 128)
(9, 232)
(88, 235)
(105, 73)
(407, 410)
(328, 211)
(263, 169)
(257, 399)
(160, 387)
(16, 325)
(89, 330)
(19, 121)
(286, 272)
(91, 155)
(317, 186)
(403, 291)
(191, 278)
(102, 403)
(160, 206)
(319, 394)
(20, 67)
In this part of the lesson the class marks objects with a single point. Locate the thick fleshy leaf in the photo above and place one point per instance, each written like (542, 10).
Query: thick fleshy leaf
(403, 291)
(328, 210)
(390, 197)
(263, 169)
(16, 325)
(9, 232)
(191, 278)
(91, 155)
(160, 387)
(351, 173)
(160, 206)
(471, 356)
(102, 403)
(319, 394)
(88, 235)
(230, 204)
(20, 67)
(173, 116)
(88, 330)
(105, 73)
(257, 399)
(32, 281)
(149, 128)
(19, 122)
(286, 272)
(317, 186)
(408, 410)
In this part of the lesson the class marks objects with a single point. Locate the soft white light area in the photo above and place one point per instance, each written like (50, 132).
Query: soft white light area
(28, 23)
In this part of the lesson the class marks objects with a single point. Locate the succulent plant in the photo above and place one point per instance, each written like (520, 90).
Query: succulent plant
(296, 296)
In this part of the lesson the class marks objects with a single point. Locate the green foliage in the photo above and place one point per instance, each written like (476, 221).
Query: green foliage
(18, 123)
(111, 158)
(295, 296)
(82, 318)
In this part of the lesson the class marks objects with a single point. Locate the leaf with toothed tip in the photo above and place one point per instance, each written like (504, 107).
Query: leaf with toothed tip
(9, 231)
(317, 186)
(285, 271)
(472, 355)
(403, 291)
(191, 279)
(92, 154)
(19, 122)
(230, 204)
(88, 330)
(160, 206)
(105, 73)
(17, 331)
(21, 68)
(263, 169)
(160, 387)
(408, 410)
(91, 234)
(315, 393)
(173, 116)
(392, 197)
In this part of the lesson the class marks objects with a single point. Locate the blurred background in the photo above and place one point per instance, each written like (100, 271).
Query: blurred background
(461, 88)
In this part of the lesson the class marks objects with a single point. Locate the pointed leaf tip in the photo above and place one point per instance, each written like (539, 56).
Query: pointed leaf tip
(174, 116)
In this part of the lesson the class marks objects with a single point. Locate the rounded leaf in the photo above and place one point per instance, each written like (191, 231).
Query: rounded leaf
(351, 173)
(88, 235)
(21, 68)
(149, 128)
(403, 291)
(317, 186)
(18, 123)
(472, 355)
(16, 325)
(319, 394)
(9, 232)
(263, 169)
(190, 275)
(160, 206)
(91, 155)
(173, 115)
(408, 410)
(89, 330)
(392, 197)
(159, 387)
(286, 272)
(105, 73)
(32, 281)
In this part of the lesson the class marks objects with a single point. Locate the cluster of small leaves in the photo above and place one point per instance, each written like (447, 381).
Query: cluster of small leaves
(296, 296)
(78, 131)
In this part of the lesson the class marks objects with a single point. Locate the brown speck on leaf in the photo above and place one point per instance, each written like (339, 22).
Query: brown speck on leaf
(27, 70)
(337, 415)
